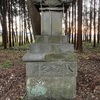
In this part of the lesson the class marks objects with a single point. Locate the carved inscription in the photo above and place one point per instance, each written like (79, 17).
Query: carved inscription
(51, 69)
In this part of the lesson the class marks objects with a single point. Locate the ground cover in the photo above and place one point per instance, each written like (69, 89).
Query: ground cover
(13, 78)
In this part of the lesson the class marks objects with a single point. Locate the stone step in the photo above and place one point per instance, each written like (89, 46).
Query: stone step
(68, 57)
(51, 39)
(51, 48)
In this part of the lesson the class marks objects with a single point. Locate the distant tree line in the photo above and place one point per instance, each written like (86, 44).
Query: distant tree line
(15, 22)
(83, 22)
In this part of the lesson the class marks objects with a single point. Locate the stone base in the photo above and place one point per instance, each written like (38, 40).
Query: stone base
(51, 87)
(51, 80)
(51, 69)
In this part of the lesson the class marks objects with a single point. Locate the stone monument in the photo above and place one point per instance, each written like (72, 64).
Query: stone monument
(51, 64)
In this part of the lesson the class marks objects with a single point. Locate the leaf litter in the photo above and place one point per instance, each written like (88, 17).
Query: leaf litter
(13, 78)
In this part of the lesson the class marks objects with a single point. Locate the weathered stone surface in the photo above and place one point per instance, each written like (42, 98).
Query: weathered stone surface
(51, 48)
(68, 57)
(51, 74)
(56, 24)
(51, 87)
(51, 69)
(46, 23)
(51, 39)
(51, 23)
(29, 57)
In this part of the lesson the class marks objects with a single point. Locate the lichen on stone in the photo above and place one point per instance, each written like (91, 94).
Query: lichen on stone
(60, 57)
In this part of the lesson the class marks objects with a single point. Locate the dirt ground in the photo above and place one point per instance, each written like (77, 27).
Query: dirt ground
(12, 75)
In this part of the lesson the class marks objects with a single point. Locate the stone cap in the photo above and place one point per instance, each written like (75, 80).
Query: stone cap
(44, 57)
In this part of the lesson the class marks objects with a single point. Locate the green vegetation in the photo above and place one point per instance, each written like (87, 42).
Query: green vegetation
(61, 57)
(89, 46)
(0, 38)
(22, 47)
(7, 64)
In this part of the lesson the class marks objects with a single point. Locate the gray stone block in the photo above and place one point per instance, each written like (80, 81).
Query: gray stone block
(51, 39)
(29, 57)
(51, 87)
(68, 57)
(51, 23)
(51, 48)
(51, 69)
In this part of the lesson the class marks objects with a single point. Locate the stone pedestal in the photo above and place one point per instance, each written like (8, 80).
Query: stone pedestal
(51, 65)
(51, 69)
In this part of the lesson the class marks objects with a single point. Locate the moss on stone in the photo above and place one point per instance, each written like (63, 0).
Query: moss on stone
(54, 56)
(54, 39)
(40, 39)
(61, 57)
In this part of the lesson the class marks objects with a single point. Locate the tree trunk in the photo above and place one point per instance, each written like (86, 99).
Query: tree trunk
(20, 22)
(90, 19)
(4, 25)
(9, 23)
(25, 40)
(66, 23)
(94, 43)
(72, 24)
(16, 35)
(31, 39)
(35, 18)
(98, 36)
(69, 27)
(79, 37)
(75, 29)
(12, 24)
